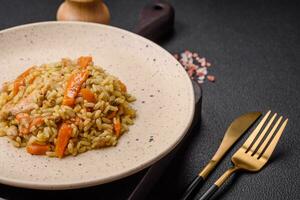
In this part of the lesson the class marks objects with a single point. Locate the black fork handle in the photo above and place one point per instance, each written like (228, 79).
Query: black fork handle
(210, 192)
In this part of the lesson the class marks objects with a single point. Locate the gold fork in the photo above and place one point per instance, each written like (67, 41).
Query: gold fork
(254, 153)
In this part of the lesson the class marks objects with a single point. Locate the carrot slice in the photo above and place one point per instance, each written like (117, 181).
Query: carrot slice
(23, 119)
(20, 81)
(22, 116)
(37, 149)
(117, 126)
(36, 122)
(17, 85)
(31, 80)
(87, 95)
(84, 61)
(24, 131)
(64, 135)
(73, 87)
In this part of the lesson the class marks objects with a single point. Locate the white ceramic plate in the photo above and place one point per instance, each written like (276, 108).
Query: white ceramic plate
(165, 102)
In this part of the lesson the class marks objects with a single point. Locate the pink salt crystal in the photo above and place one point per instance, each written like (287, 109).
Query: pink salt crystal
(211, 78)
(190, 72)
(202, 62)
(200, 74)
(195, 66)
(187, 52)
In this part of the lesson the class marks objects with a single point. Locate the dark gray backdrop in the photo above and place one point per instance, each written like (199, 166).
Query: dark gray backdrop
(254, 47)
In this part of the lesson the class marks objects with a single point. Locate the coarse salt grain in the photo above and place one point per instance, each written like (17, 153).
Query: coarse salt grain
(211, 78)
(195, 66)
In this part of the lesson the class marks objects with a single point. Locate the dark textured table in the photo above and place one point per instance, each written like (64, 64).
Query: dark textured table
(255, 50)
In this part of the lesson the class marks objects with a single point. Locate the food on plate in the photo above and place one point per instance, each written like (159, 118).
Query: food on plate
(65, 108)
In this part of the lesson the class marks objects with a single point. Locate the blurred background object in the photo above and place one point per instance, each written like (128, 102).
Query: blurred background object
(156, 20)
(84, 10)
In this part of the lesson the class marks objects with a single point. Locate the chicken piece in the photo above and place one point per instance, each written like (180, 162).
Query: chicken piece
(25, 105)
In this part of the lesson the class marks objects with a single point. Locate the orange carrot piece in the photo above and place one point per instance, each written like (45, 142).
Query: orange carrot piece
(22, 116)
(37, 149)
(73, 87)
(20, 81)
(24, 131)
(36, 122)
(84, 61)
(31, 80)
(64, 135)
(17, 85)
(117, 126)
(87, 95)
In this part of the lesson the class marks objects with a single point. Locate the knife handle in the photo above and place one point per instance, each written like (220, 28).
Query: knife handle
(193, 187)
(199, 180)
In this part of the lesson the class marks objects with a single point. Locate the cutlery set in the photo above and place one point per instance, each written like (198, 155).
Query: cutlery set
(250, 157)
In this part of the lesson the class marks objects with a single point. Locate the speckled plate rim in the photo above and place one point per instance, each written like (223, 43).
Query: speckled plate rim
(94, 182)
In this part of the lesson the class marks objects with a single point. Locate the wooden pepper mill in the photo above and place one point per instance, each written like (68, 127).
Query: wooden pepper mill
(84, 10)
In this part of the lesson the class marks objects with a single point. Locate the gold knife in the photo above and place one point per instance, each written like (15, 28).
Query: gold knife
(236, 129)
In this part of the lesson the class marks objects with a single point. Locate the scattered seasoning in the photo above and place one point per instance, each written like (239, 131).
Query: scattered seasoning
(195, 65)
(211, 78)
(151, 139)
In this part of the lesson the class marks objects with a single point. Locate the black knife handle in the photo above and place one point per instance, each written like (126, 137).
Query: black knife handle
(192, 188)
(212, 190)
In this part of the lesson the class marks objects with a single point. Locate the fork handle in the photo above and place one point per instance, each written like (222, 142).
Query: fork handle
(196, 183)
(214, 188)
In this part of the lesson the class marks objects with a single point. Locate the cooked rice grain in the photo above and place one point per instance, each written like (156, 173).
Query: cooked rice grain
(41, 96)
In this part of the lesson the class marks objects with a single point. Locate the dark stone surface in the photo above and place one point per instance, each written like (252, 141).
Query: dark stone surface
(255, 50)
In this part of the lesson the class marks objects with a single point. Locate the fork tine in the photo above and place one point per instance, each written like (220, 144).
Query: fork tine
(256, 131)
(261, 136)
(267, 154)
(264, 144)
